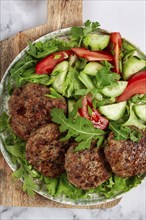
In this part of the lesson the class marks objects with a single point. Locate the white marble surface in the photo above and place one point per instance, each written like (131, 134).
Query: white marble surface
(127, 17)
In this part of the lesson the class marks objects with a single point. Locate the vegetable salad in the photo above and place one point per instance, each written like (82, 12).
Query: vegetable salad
(102, 77)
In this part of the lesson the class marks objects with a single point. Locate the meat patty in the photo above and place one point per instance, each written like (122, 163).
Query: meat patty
(86, 169)
(125, 157)
(30, 108)
(45, 152)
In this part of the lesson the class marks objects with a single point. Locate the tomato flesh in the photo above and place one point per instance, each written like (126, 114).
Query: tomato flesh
(92, 55)
(136, 87)
(46, 65)
(137, 76)
(97, 120)
(116, 44)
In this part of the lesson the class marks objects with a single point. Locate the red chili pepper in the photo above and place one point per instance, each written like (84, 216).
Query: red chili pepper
(116, 44)
(97, 120)
(92, 55)
(46, 65)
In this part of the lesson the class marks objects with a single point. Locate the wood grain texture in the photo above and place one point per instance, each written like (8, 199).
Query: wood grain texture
(61, 13)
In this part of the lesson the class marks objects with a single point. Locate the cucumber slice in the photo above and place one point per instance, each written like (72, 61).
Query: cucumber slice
(98, 97)
(140, 111)
(71, 103)
(85, 79)
(133, 120)
(92, 68)
(116, 90)
(58, 75)
(114, 111)
(131, 66)
(95, 41)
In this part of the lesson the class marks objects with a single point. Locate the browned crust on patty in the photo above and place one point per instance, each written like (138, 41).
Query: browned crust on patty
(45, 152)
(126, 158)
(30, 108)
(86, 169)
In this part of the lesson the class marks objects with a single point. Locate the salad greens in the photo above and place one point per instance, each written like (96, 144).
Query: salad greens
(75, 81)
(123, 133)
(23, 72)
(32, 179)
(80, 128)
(79, 33)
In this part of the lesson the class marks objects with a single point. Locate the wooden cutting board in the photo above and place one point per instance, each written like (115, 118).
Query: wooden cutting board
(61, 14)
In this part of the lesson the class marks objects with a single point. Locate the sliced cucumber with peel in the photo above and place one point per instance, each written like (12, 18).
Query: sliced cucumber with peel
(96, 41)
(140, 111)
(114, 111)
(86, 80)
(131, 66)
(133, 120)
(92, 68)
(115, 90)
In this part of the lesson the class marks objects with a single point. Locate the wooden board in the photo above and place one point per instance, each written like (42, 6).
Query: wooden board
(61, 13)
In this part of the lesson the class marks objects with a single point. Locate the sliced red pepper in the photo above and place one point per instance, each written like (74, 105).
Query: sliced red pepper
(116, 44)
(91, 55)
(97, 120)
(137, 76)
(137, 86)
(46, 65)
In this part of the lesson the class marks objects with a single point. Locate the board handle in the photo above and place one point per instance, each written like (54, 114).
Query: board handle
(64, 13)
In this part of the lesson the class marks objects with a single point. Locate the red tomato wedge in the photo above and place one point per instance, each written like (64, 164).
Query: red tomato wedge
(137, 76)
(46, 65)
(91, 55)
(97, 120)
(116, 44)
(135, 86)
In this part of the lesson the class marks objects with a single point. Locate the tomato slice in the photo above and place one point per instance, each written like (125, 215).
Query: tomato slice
(84, 110)
(116, 44)
(136, 87)
(137, 76)
(91, 55)
(97, 120)
(46, 65)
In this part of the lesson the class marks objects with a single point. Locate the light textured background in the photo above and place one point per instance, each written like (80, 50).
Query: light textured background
(127, 17)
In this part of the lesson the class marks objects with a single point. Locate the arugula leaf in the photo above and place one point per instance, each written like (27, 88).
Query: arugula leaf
(124, 133)
(78, 33)
(24, 72)
(16, 149)
(41, 50)
(80, 128)
(106, 77)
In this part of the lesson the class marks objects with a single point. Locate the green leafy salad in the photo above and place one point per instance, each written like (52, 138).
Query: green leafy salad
(102, 78)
